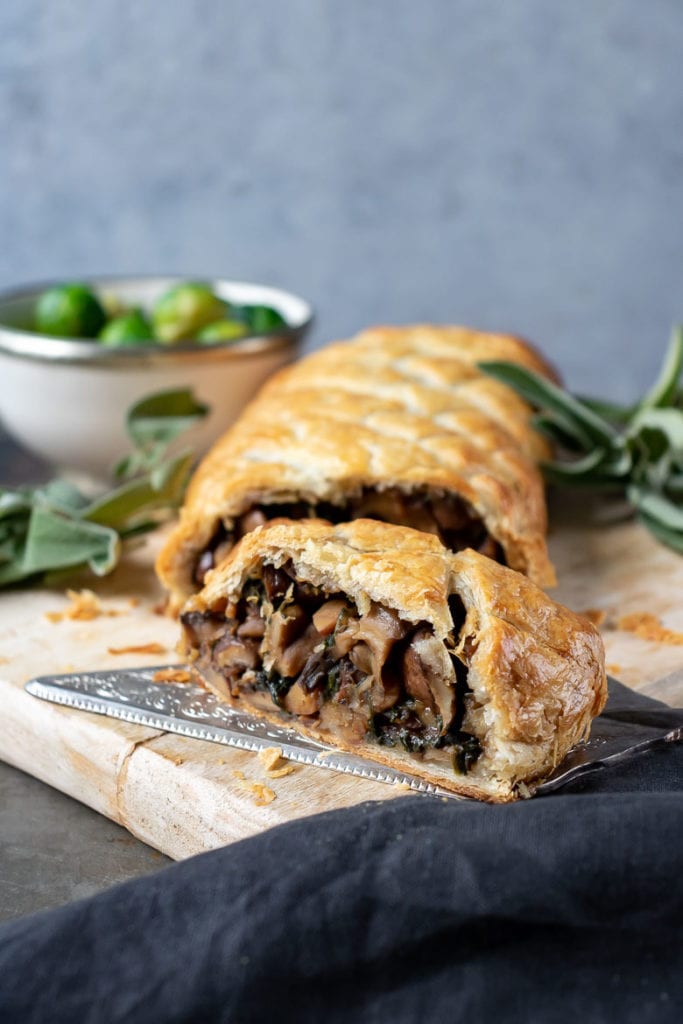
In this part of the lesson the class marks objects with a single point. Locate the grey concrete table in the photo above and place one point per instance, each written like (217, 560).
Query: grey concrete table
(53, 849)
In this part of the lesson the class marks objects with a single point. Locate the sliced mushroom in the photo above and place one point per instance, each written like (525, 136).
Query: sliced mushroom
(350, 724)
(290, 661)
(299, 701)
(234, 653)
(250, 521)
(380, 629)
(327, 616)
(253, 626)
(282, 629)
(429, 675)
(276, 582)
(415, 678)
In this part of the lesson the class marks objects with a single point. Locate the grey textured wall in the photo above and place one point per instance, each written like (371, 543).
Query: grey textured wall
(514, 164)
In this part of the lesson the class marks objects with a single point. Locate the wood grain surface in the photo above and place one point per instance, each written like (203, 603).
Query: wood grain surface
(184, 796)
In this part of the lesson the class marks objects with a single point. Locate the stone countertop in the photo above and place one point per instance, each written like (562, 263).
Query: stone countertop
(53, 849)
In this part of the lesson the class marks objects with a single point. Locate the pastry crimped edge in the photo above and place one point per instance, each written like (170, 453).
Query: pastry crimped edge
(416, 386)
(536, 673)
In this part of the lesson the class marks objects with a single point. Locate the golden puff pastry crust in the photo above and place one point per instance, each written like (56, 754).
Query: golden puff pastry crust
(521, 674)
(396, 408)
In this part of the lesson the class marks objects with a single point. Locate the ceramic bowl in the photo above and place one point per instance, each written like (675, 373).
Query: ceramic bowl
(66, 400)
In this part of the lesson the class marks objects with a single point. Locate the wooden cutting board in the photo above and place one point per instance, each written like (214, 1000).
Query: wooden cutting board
(184, 796)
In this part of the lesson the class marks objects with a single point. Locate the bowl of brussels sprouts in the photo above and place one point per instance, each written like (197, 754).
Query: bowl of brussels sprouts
(74, 356)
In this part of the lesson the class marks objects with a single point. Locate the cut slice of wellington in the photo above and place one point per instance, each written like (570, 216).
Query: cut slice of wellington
(398, 425)
(378, 640)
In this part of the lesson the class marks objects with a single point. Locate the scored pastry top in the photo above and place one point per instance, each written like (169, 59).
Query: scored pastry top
(396, 409)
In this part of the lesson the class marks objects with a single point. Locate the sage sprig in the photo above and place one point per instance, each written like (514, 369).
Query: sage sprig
(633, 450)
(55, 528)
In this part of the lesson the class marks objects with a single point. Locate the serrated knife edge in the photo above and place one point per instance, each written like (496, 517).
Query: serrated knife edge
(45, 689)
(132, 695)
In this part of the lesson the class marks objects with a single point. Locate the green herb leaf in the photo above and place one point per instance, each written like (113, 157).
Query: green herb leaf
(579, 467)
(637, 451)
(557, 432)
(658, 507)
(663, 391)
(50, 530)
(54, 541)
(162, 490)
(576, 418)
(160, 418)
(13, 503)
(669, 422)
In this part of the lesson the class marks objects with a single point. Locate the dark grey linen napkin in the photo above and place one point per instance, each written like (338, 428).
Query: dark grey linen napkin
(567, 907)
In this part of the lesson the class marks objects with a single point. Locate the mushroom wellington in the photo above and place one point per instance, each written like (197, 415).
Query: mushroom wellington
(379, 640)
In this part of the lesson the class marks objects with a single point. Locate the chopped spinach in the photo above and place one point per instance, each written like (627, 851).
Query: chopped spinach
(277, 685)
(466, 752)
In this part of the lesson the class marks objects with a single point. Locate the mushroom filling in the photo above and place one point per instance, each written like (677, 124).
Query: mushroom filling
(450, 518)
(310, 654)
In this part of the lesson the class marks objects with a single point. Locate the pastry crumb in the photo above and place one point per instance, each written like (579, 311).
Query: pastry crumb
(178, 760)
(85, 605)
(595, 615)
(152, 648)
(172, 675)
(133, 602)
(4, 660)
(648, 627)
(237, 774)
(263, 795)
(279, 773)
(270, 758)
(404, 786)
(613, 670)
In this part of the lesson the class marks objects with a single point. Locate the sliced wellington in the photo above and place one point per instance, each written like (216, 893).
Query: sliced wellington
(397, 424)
(378, 640)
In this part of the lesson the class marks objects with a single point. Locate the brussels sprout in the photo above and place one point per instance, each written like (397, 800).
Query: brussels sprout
(183, 310)
(130, 328)
(222, 330)
(112, 304)
(69, 311)
(264, 319)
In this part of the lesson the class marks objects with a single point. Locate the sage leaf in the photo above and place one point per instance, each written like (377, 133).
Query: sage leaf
(657, 507)
(636, 451)
(586, 424)
(578, 467)
(557, 432)
(663, 391)
(160, 418)
(60, 494)
(55, 541)
(162, 490)
(13, 503)
(668, 422)
(48, 531)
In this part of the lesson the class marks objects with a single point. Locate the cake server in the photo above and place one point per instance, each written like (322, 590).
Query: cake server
(629, 725)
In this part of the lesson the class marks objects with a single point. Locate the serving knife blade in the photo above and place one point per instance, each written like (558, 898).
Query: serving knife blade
(629, 724)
